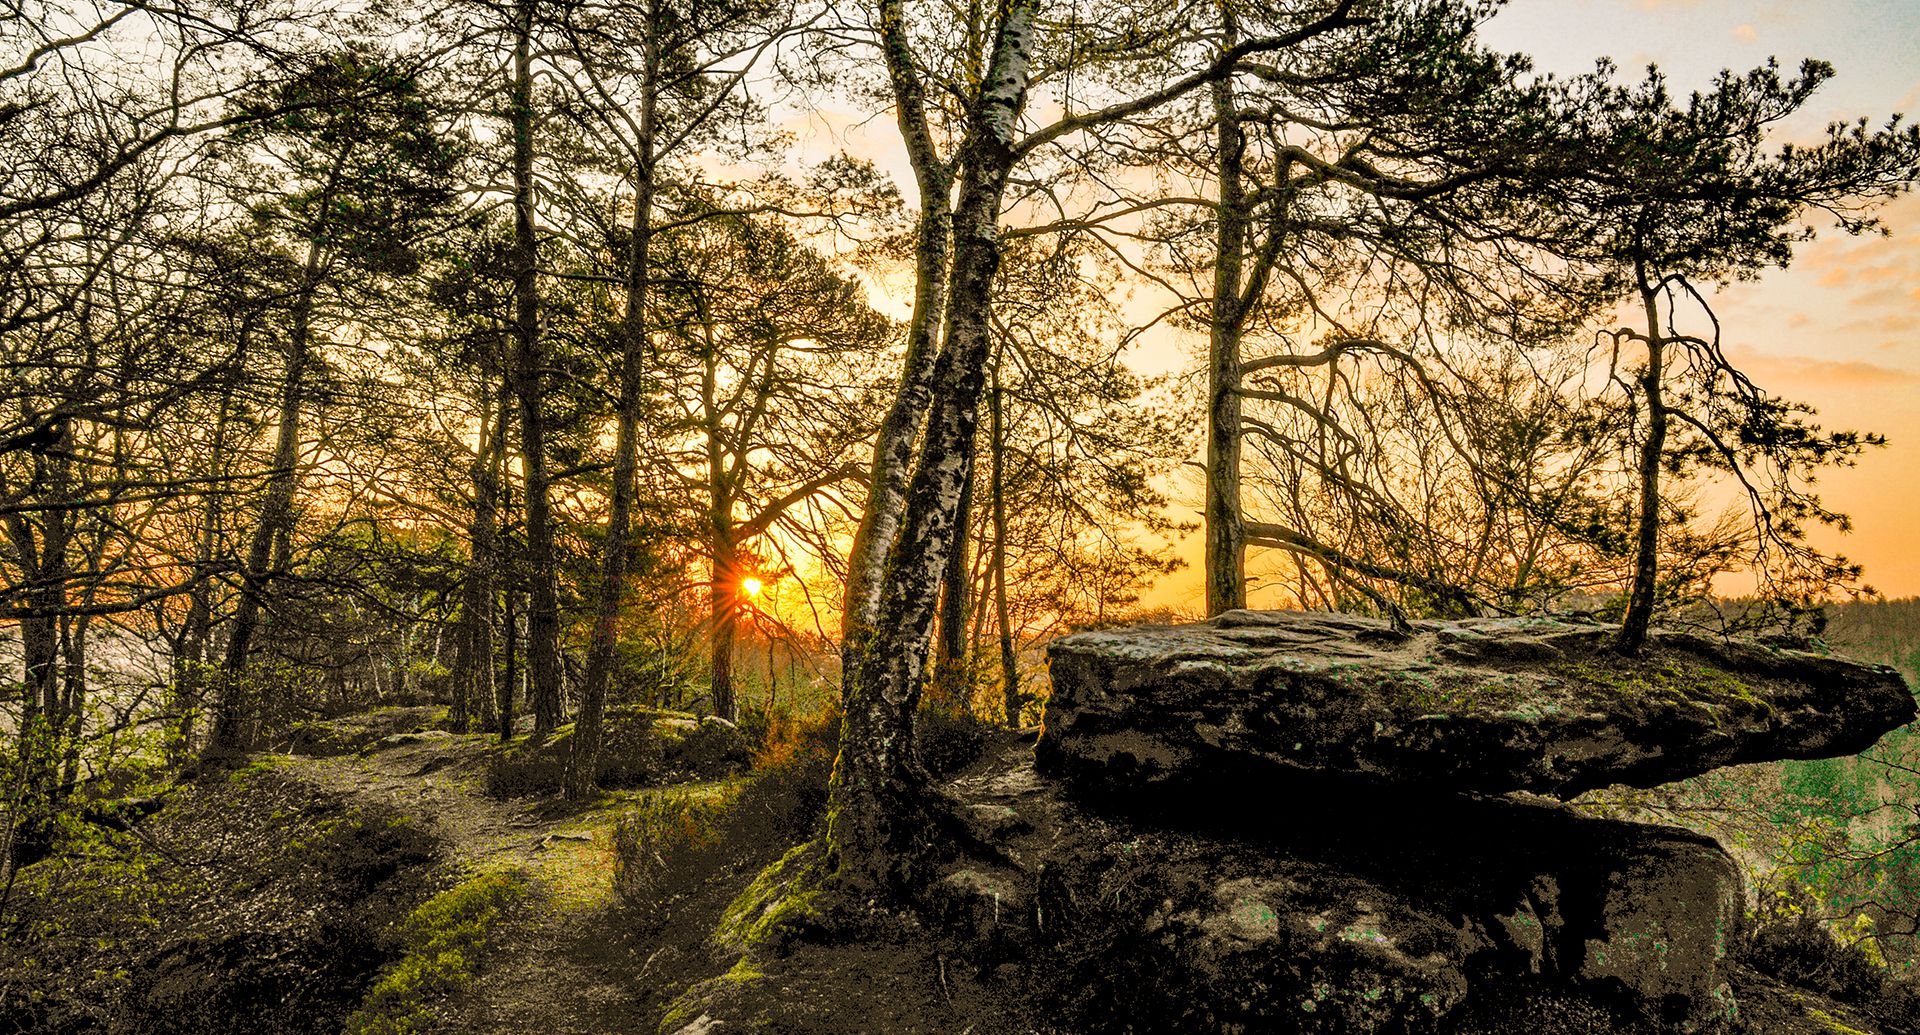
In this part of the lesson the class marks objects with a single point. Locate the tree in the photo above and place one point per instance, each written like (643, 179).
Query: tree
(1692, 195)
(687, 65)
(361, 173)
(878, 815)
(1368, 196)
(768, 372)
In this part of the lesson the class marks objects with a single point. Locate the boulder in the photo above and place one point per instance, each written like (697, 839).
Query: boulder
(1369, 907)
(1488, 705)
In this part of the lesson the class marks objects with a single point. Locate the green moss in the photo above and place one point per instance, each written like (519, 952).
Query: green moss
(780, 898)
(1663, 678)
(255, 769)
(445, 938)
(1434, 694)
(689, 1005)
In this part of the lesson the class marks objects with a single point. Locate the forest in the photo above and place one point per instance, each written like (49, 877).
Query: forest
(538, 367)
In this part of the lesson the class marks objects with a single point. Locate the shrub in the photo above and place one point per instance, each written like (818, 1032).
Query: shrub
(668, 845)
(947, 742)
(445, 940)
(632, 754)
(1789, 942)
(676, 840)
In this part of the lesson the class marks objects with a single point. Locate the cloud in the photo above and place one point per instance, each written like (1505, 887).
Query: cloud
(1775, 373)
(1745, 33)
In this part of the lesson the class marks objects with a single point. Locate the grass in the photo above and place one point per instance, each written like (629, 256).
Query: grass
(446, 938)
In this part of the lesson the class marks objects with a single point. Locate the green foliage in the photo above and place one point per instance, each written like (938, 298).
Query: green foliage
(250, 902)
(632, 754)
(445, 943)
(679, 838)
(1790, 942)
(668, 845)
(640, 747)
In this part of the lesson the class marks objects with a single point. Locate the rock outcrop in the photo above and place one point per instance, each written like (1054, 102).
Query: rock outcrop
(1313, 823)
(1368, 908)
(1490, 705)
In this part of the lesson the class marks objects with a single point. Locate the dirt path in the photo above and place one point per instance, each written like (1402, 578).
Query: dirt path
(561, 963)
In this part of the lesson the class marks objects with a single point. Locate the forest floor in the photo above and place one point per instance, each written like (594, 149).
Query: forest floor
(559, 964)
(571, 958)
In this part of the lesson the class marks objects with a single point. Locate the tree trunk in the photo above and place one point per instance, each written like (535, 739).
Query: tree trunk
(1646, 559)
(585, 754)
(893, 449)
(473, 642)
(1009, 661)
(543, 606)
(877, 816)
(189, 662)
(271, 544)
(726, 620)
(1226, 546)
(899, 432)
(44, 562)
(276, 518)
(951, 690)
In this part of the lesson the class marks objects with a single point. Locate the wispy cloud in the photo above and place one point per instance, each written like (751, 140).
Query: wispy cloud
(1782, 373)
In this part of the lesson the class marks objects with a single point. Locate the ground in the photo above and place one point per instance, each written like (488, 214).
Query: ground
(572, 959)
(569, 957)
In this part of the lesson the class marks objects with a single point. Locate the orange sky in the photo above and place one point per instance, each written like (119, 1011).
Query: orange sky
(1840, 329)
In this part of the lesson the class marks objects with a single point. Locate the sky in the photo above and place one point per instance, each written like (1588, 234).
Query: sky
(1840, 328)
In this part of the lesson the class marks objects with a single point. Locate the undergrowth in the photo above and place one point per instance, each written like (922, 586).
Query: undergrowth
(446, 940)
(1789, 942)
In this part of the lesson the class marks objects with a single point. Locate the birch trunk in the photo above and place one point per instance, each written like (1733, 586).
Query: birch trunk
(899, 433)
(877, 822)
(950, 683)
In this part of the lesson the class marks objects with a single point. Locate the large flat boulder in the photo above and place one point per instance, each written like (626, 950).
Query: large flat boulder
(1488, 705)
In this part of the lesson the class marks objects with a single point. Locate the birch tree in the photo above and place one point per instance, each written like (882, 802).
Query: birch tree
(879, 816)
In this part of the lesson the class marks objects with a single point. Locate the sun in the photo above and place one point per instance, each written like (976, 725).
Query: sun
(750, 586)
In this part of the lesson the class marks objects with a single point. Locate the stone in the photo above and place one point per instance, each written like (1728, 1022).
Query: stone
(1486, 705)
(1367, 906)
(1666, 921)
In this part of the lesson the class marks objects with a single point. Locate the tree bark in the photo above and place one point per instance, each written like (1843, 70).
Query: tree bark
(877, 817)
(473, 642)
(1009, 661)
(893, 449)
(543, 607)
(1646, 560)
(1226, 546)
(272, 536)
(585, 754)
(951, 690)
(899, 433)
